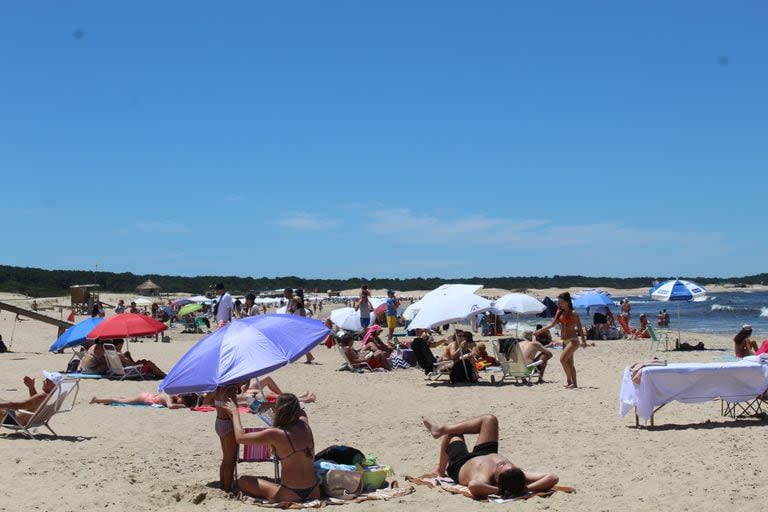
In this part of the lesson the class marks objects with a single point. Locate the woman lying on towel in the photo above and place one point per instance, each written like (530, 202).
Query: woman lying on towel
(294, 446)
(266, 390)
(146, 398)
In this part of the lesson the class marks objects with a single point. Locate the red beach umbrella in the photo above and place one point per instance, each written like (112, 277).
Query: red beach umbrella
(127, 325)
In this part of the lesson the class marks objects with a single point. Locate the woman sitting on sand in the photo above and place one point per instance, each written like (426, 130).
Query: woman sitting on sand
(744, 345)
(169, 401)
(294, 446)
(571, 331)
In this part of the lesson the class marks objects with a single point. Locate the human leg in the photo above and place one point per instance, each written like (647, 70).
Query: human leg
(567, 361)
(258, 487)
(138, 399)
(228, 460)
(486, 427)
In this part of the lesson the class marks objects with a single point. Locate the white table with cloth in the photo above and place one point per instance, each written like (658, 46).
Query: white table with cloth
(736, 381)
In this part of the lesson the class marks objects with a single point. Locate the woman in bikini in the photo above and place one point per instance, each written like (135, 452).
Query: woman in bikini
(570, 332)
(226, 432)
(147, 398)
(293, 445)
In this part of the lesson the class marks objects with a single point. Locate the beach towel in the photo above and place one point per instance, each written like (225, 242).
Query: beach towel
(381, 494)
(210, 408)
(431, 480)
(76, 375)
(154, 406)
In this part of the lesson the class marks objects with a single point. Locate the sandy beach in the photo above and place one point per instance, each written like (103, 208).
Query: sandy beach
(121, 458)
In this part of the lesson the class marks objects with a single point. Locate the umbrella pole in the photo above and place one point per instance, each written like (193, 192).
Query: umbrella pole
(461, 361)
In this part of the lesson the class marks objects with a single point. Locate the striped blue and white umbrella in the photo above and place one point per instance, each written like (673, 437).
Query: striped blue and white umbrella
(678, 289)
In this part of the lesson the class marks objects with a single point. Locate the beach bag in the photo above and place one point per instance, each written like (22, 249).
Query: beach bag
(341, 454)
(342, 484)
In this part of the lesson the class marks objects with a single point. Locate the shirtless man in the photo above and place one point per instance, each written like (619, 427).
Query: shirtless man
(23, 410)
(483, 470)
(534, 351)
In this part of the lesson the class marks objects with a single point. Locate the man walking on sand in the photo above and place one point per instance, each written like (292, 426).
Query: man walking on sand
(223, 309)
(483, 470)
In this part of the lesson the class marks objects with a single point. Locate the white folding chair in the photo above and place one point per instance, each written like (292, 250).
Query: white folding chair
(60, 400)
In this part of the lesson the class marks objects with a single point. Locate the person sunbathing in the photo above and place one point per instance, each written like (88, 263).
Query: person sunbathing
(483, 470)
(534, 351)
(266, 389)
(636, 370)
(373, 343)
(94, 361)
(22, 410)
(149, 369)
(374, 359)
(169, 401)
(294, 446)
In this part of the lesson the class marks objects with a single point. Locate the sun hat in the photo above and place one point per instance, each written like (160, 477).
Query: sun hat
(54, 377)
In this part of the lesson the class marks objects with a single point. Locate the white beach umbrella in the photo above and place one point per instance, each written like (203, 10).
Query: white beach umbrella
(438, 293)
(520, 303)
(448, 309)
(348, 319)
(142, 301)
(201, 299)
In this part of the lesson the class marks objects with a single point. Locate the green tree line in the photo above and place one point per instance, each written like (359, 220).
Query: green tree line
(37, 282)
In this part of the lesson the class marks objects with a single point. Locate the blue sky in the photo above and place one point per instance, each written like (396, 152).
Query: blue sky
(398, 138)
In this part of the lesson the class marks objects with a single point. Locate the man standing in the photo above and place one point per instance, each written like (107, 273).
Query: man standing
(222, 311)
(392, 305)
(295, 306)
(365, 308)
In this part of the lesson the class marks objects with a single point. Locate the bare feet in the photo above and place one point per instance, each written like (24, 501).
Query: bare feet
(434, 428)
(93, 400)
(309, 397)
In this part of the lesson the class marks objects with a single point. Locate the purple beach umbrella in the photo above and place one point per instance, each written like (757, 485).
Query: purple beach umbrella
(241, 350)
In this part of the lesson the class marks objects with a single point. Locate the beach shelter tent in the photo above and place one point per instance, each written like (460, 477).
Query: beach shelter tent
(148, 288)
(551, 310)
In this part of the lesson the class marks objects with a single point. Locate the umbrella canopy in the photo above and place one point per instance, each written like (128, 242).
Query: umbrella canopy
(75, 335)
(190, 308)
(126, 325)
(448, 309)
(141, 301)
(592, 299)
(520, 303)
(348, 319)
(168, 311)
(202, 299)
(678, 289)
(241, 350)
(182, 302)
(439, 292)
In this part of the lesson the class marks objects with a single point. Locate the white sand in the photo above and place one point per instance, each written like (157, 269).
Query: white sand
(125, 458)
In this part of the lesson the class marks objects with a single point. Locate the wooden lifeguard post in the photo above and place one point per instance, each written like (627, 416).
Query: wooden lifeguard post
(83, 297)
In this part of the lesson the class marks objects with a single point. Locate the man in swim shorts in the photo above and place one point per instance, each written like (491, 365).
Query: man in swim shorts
(483, 470)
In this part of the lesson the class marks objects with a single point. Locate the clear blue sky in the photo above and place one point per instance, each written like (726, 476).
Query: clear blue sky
(397, 138)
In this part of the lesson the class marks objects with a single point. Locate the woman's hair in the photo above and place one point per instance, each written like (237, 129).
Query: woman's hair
(287, 410)
(743, 334)
(567, 298)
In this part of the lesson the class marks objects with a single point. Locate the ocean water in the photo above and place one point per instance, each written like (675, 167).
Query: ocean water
(721, 313)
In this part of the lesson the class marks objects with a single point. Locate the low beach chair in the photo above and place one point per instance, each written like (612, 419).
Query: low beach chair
(656, 339)
(60, 400)
(347, 365)
(115, 364)
(513, 364)
(624, 326)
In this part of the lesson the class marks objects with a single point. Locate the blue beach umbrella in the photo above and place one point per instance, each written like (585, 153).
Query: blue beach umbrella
(75, 335)
(241, 350)
(592, 299)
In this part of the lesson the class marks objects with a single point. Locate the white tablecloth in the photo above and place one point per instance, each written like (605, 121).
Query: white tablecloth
(691, 383)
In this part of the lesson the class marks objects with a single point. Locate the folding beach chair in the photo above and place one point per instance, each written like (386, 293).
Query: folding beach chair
(116, 370)
(347, 365)
(656, 339)
(513, 363)
(60, 400)
(744, 409)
